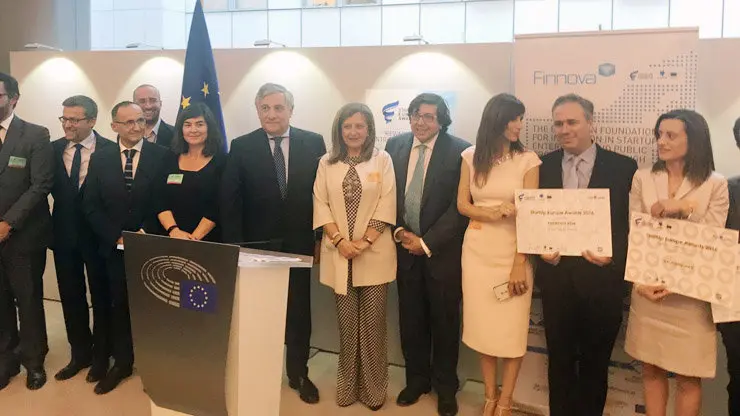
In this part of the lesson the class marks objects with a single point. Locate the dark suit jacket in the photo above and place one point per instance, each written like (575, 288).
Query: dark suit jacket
(109, 207)
(442, 226)
(251, 206)
(71, 229)
(612, 171)
(165, 134)
(24, 190)
(733, 218)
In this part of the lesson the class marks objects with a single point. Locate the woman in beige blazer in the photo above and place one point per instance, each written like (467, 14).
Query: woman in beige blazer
(354, 201)
(670, 332)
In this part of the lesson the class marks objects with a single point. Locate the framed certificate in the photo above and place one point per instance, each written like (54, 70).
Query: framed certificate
(567, 221)
(691, 259)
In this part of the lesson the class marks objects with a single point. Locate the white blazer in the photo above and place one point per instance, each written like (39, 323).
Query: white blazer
(711, 200)
(377, 264)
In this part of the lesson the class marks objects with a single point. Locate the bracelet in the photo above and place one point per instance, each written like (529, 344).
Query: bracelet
(338, 241)
(369, 241)
(172, 227)
(334, 236)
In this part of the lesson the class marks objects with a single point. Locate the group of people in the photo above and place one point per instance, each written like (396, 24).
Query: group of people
(430, 212)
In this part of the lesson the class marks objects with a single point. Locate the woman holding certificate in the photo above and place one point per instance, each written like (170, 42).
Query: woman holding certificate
(670, 332)
(354, 199)
(496, 280)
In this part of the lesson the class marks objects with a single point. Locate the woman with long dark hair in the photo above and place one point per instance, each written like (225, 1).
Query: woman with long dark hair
(670, 332)
(491, 171)
(188, 203)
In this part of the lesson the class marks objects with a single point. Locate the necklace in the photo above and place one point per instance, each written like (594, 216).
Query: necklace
(502, 159)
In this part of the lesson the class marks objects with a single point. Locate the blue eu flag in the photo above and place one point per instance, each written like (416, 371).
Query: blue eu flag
(198, 296)
(199, 81)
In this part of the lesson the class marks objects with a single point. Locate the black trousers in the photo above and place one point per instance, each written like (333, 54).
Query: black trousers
(21, 286)
(429, 312)
(121, 343)
(582, 314)
(298, 323)
(731, 338)
(70, 267)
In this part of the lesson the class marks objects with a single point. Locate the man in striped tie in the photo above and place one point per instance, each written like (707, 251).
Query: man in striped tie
(121, 184)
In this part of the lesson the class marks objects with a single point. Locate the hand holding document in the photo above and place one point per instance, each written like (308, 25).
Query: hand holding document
(565, 221)
(694, 260)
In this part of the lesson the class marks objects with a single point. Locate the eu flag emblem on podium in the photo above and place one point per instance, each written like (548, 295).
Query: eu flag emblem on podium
(199, 80)
(198, 296)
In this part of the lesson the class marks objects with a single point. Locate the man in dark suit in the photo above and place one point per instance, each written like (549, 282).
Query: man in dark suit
(430, 233)
(26, 178)
(731, 330)
(75, 246)
(156, 130)
(267, 197)
(119, 196)
(582, 297)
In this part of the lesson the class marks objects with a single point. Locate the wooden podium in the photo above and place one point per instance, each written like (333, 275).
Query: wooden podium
(255, 358)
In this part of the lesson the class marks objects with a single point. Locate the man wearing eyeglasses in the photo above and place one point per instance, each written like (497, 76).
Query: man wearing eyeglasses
(267, 203)
(74, 244)
(156, 130)
(119, 196)
(429, 234)
(26, 178)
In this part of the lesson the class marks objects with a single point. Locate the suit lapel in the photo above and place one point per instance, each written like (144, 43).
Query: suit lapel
(660, 179)
(12, 138)
(144, 169)
(404, 155)
(295, 150)
(599, 170)
(556, 171)
(435, 165)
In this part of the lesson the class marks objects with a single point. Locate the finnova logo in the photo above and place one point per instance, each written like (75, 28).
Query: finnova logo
(389, 110)
(573, 78)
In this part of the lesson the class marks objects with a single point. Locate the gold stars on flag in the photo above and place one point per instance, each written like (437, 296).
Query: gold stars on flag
(185, 102)
(205, 90)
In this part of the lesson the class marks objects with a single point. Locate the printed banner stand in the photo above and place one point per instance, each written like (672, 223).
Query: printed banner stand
(203, 328)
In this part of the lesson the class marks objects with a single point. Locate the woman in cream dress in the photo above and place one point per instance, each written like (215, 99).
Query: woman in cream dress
(670, 332)
(491, 171)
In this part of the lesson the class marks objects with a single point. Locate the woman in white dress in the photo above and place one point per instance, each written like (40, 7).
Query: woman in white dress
(670, 332)
(490, 173)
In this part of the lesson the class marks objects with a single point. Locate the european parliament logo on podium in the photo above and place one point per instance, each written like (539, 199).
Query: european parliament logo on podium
(181, 295)
(195, 289)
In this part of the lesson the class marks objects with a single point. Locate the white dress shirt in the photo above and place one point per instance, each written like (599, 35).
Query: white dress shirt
(152, 137)
(5, 124)
(413, 159)
(88, 147)
(137, 156)
(284, 145)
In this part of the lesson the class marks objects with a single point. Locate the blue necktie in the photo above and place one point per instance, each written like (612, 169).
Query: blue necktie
(280, 166)
(412, 203)
(128, 171)
(74, 172)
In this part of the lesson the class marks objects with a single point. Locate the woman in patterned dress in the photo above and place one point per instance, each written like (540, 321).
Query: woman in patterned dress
(354, 201)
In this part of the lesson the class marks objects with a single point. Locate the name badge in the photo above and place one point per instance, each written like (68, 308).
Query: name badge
(175, 179)
(17, 162)
(373, 177)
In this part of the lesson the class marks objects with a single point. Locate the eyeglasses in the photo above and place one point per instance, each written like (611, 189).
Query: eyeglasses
(131, 123)
(428, 118)
(73, 121)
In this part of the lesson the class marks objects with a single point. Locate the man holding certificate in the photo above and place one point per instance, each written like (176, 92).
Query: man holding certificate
(582, 295)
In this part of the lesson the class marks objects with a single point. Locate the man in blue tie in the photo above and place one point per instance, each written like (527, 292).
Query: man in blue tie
(74, 245)
(582, 296)
(121, 184)
(429, 234)
(267, 203)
